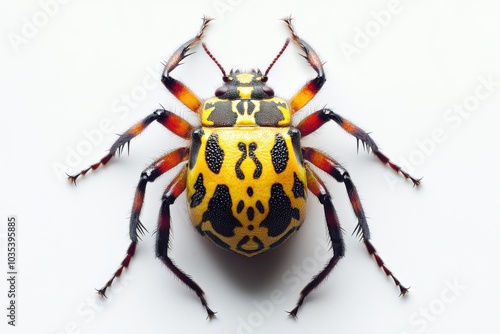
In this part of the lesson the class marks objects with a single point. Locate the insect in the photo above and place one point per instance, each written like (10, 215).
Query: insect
(245, 172)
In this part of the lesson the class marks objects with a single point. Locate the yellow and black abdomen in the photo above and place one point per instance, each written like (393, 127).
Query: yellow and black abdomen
(246, 186)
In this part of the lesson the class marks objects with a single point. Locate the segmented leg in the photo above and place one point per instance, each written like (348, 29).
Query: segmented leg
(118, 272)
(174, 189)
(150, 174)
(177, 88)
(314, 121)
(333, 168)
(171, 121)
(307, 92)
(317, 187)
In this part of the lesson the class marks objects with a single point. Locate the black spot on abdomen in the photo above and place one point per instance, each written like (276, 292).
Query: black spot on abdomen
(252, 147)
(260, 206)
(258, 165)
(214, 155)
(199, 192)
(219, 212)
(280, 213)
(250, 213)
(240, 207)
(279, 154)
(298, 187)
(239, 173)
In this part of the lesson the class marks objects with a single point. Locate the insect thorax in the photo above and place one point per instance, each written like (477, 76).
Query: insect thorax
(245, 100)
(246, 112)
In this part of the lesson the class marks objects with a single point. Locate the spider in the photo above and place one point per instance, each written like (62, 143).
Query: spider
(245, 172)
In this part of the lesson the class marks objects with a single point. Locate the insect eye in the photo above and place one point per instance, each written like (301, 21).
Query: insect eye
(221, 91)
(268, 91)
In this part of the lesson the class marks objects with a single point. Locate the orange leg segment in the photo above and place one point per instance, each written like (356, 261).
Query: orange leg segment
(171, 121)
(309, 90)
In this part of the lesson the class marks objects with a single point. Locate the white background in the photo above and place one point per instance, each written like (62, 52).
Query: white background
(73, 72)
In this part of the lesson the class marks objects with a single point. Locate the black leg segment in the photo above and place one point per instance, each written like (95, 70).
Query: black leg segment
(332, 167)
(317, 187)
(174, 189)
(136, 228)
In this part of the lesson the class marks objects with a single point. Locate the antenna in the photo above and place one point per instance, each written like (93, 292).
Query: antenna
(214, 59)
(277, 57)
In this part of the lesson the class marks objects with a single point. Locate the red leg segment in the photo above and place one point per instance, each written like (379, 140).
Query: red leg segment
(314, 121)
(317, 187)
(171, 121)
(177, 88)
(118, 272)
(307, 92)
(333, 168)
(174, 189)
(150, 174)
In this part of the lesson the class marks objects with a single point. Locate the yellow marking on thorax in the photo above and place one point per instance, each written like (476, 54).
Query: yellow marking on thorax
(245, 119)
(245, 78)
(245, 92)
(286, 115)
